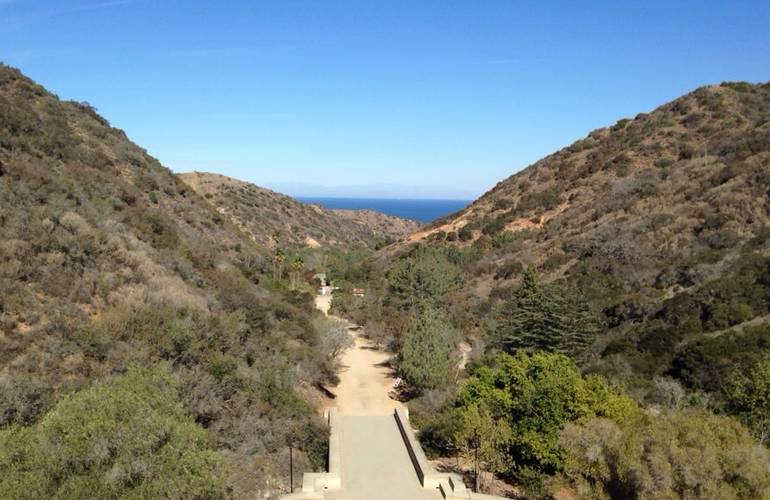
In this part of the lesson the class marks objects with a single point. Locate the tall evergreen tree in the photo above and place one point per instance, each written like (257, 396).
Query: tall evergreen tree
(428, 358)
(545, 318)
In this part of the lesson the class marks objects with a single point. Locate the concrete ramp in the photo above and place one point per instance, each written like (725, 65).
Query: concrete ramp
(379, 458)
(375, 462)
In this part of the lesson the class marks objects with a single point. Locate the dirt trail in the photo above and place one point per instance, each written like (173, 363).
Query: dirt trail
(323, 303)
(366, 380)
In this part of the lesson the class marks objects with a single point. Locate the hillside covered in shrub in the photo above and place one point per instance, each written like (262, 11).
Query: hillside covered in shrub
(661, 222)
(119, 283)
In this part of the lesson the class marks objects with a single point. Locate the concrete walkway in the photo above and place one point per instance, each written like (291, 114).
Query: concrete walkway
(375, 462)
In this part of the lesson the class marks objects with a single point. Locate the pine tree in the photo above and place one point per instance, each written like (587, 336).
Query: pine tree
(428, 358)
(540, 318)
(426, 276)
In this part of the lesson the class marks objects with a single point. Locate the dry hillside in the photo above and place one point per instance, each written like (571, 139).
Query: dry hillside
(261, 213)
(109, 261)
(660, 221)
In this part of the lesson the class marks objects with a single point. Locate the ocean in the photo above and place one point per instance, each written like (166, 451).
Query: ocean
(420, 210)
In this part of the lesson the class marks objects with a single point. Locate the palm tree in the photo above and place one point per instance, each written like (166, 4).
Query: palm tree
(278, 260)
(296, 267)
(276, 237)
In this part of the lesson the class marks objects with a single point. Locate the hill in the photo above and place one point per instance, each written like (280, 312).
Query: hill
(261, 213)
(659, 222)
(118, 285)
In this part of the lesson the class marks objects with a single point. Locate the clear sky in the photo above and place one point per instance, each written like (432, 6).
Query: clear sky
(401, 98)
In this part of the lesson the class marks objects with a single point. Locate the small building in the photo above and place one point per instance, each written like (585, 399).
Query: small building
(358, 292)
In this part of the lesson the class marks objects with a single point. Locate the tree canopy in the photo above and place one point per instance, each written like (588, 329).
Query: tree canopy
(427, 275)
(535, 395)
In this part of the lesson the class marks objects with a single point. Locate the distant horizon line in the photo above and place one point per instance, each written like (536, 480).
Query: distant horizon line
(321, 197)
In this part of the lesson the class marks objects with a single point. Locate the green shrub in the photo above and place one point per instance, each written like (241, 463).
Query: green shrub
(738, 86)
(502, 204)
(748, 397)
(427, 275)
(223, 366)
(679, 454)
(126, 438)
(708, 364)
(439, 431)
(539, 200)
(494, 226)
(536, 396)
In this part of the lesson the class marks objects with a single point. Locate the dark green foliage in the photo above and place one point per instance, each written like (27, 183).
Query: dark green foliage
(428, 358)
(710, 363)
(347, 266)
(740, 295)
(223, 366)
(427, 275)
(494, 226)
(539, 201)
(505, 238)
(541, 318)
(502, 204)
(439, 431)
(748, 397)
(23, 399)
(738, 86)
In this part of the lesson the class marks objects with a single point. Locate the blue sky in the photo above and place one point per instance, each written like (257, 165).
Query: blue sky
(436, 99)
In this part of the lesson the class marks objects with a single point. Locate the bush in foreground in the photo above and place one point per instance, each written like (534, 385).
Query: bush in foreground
(679, 454)
(126, 438)
(515, 409)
